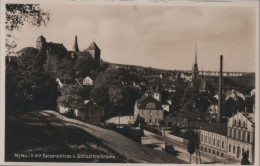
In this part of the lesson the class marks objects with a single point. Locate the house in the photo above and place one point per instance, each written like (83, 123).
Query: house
(87, 81)
(241, 129)
(90, 113)
(231, 139)
(62, 109)
(213, 139)
(149, 108)
(206, 86)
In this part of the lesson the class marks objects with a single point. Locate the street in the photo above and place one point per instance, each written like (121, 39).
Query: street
(156, 141)
(114, 140)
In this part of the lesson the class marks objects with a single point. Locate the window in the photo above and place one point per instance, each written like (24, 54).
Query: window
(243, 151)
(239, 123)
(205, 149)
(201, 138)
(248, 137)
(209, 150)
(214, 142)
(235, 133)
(206, 139)
(244, 124)
(150, 105)
(239, 134)
(230, 132)
(235, 122)
(218, 153)
(229, 148)
(201, 147)
(222, 145)
(234, 149)
(244, 136)
(209, 140)
(222, 155)
(218, 143)
(213, 151)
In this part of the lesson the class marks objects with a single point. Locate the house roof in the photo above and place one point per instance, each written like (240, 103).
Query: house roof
(143, 102)
(219, 128)
(93, 46)
(250, 117)
(206, 85)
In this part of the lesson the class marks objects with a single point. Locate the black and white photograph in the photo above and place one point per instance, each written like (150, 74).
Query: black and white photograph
(129, 82)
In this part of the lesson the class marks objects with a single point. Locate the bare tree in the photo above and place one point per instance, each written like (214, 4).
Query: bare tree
(19, 14)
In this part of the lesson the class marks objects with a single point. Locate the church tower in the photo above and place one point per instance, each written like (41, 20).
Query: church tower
(76, 47)
(40, 43)
(195, 70)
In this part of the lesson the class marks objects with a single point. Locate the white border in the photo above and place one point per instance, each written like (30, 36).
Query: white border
(240, 3)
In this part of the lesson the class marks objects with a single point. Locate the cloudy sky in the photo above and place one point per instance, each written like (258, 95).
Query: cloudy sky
(156, 36)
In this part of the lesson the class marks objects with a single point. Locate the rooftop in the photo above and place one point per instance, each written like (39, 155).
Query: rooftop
(219, 128)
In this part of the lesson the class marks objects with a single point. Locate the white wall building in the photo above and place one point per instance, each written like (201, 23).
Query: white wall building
(87, 81)
(241, 129)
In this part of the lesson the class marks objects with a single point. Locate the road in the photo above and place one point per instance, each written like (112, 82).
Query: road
(119, 143)
(157, 141)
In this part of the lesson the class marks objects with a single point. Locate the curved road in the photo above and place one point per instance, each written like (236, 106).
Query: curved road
(119, 143)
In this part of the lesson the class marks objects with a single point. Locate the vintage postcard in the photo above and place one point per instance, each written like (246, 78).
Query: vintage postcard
(150, 82)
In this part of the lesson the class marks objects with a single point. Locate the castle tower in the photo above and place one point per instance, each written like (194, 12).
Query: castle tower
(75, 46)
(40, 43)
(195, 70)
(94, 51)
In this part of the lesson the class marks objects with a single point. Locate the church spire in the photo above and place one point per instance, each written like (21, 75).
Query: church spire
(196, 53)
(75, 47)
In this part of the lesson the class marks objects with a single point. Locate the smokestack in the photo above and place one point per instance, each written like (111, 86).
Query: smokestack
(220, 90)
(76, 47)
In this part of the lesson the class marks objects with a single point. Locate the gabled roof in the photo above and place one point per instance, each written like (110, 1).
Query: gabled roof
(250, 117)
(143, 101)
(93, 46)
(219, 128)
(206, 85)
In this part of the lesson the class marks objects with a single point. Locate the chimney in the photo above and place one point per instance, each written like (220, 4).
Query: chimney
(220, 90)
(75, 47)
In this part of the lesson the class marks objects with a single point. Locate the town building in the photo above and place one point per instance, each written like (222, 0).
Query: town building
(241, 137)
(213, 139)
(231, 139)
(87, 81)
(91, 112)
(149, 108)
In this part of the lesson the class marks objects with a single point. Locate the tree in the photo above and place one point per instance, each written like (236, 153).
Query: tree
(19, 14)
(191, 147)
(72, 96)
(245, 160)
(113, 92)
(30, 87)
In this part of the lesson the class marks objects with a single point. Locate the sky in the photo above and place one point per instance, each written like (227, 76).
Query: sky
(154, 36)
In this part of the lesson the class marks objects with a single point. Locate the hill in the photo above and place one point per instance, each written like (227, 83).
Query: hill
(48, 132)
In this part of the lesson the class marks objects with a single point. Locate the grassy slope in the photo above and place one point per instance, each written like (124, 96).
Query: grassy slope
(26, 137)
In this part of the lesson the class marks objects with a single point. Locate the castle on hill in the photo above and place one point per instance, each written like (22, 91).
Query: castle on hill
(41, 44)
